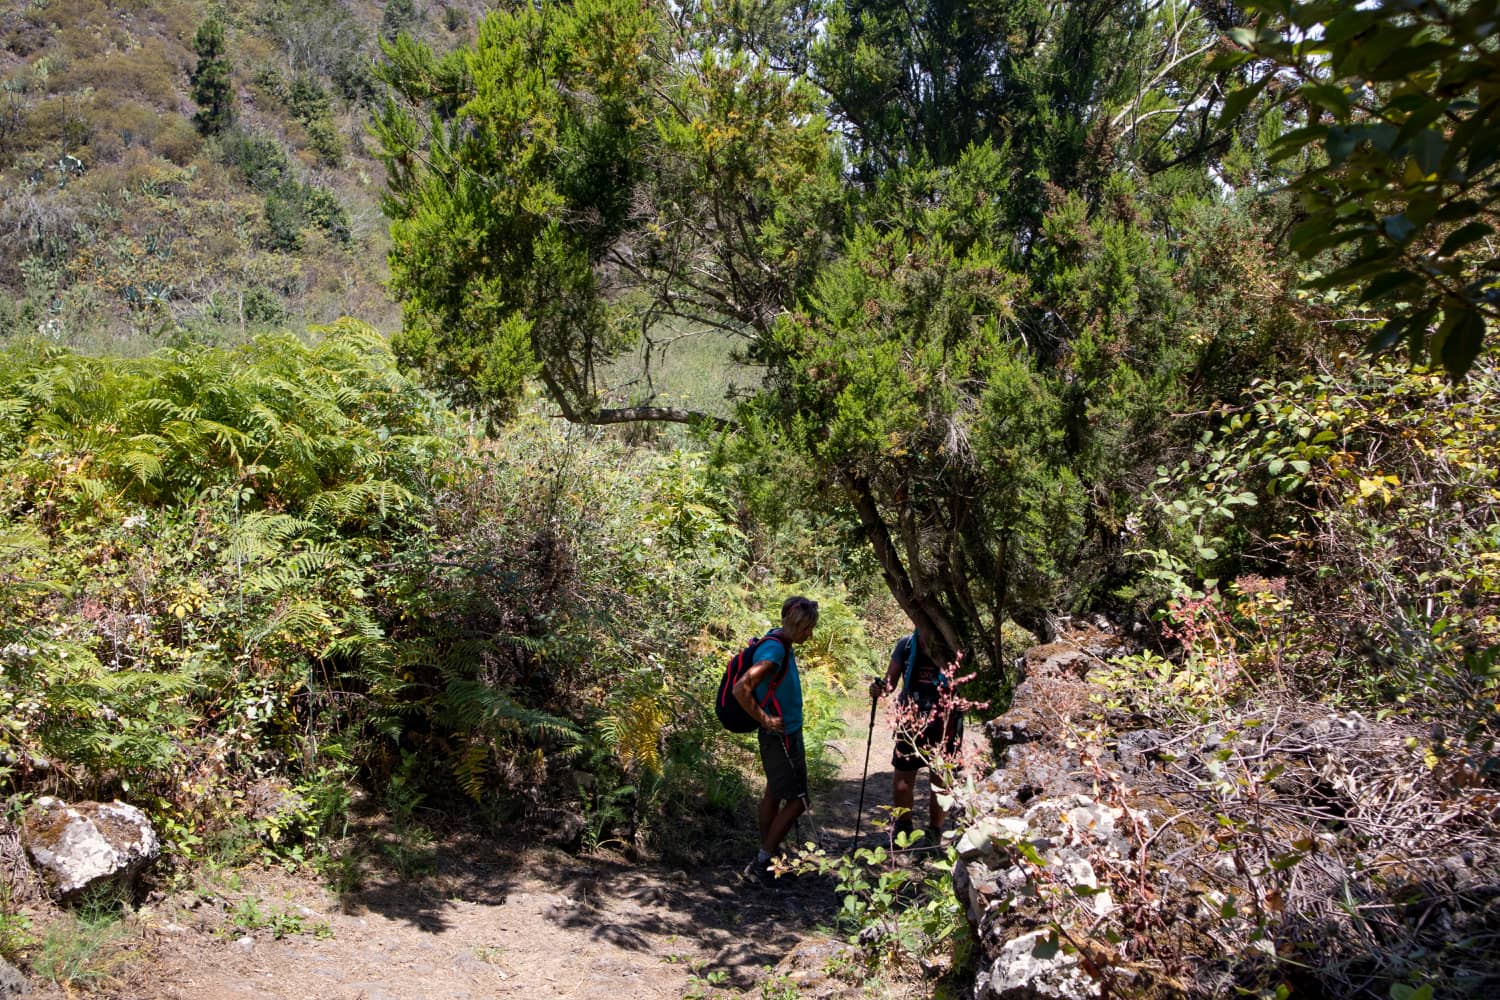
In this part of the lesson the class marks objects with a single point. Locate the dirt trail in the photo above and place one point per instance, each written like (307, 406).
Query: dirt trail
(492, 924)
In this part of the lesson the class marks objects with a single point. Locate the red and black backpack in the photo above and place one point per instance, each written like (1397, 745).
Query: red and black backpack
(731, 713)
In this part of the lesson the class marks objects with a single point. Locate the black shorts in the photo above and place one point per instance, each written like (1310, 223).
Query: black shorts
(914, 751)
(785, 763)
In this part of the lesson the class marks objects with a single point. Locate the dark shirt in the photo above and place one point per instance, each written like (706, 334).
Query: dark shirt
(924, 672)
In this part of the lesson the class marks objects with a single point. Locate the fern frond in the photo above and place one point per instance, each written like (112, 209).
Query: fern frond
(472, 767)
(469, 705)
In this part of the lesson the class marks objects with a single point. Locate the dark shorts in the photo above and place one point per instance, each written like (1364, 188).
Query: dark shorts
(914, 751)
(785, 763)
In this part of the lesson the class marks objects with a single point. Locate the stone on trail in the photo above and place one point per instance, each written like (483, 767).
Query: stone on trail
(88, 843)
(823, 969)
(12, 983)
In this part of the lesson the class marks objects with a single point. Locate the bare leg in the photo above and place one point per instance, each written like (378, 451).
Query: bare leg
(935, 812)
(769, 806)
(780, 823)
(903, 789)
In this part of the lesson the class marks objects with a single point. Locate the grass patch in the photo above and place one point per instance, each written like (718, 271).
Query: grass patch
(84, 948)
(679, 364)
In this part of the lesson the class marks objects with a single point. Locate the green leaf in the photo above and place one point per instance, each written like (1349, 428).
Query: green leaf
(1386, 283)
(1454, 211)
(1463, 236)
(1428, 148)
(1398, 227)
(1325, 95)
(1296, 141)
(1238, 100)
(1313, 236)
(1459, 339)
(1047, 947)
(1407, 59)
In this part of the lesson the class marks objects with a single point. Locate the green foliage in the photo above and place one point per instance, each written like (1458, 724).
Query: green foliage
(15, 927)
(963, 359)
(280, 561)
(310, 105)
(194, 538)
(293, 207)
(1351, 513)
(398, 16)
(1395, 161)
(84, 947)
(904, 908)
(481, 306)
(211, 87)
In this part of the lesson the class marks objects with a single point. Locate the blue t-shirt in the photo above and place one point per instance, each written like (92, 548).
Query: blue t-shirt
(787, 699)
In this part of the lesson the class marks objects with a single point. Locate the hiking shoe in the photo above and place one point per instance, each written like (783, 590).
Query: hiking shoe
(759, 871)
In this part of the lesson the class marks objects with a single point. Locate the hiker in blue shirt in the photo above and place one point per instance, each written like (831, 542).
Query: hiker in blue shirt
(923, 730)
(781, 751)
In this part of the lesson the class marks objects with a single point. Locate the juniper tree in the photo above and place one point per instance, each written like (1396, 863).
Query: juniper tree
(963, 320)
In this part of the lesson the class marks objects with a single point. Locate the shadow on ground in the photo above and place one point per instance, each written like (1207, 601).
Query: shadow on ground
(708, 914)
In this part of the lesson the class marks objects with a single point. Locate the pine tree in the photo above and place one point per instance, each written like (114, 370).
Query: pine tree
(212, 89)
(398, 16)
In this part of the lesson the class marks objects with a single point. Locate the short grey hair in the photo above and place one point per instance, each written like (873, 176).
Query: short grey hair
(798, 610)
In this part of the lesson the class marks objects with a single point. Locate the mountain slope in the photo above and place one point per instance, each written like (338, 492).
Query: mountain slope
(122, 226)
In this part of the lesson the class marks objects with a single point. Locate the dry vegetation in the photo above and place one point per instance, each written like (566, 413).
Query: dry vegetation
(124, 227)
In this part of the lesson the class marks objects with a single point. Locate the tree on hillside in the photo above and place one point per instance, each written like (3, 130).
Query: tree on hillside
(398, 16)
(966, 318)
(212, 89)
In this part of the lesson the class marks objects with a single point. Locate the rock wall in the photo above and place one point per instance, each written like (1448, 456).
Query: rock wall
(1115, 854)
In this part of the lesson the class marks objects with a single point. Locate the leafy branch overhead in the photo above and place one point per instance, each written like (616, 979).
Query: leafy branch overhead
(1400, 154)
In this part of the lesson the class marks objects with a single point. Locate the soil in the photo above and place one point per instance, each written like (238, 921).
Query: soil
(489, 921)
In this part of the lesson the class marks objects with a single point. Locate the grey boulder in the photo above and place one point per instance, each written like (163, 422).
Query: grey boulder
(87, 843)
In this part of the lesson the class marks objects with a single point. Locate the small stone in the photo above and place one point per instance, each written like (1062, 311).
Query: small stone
(244, 944)
(1032, 966)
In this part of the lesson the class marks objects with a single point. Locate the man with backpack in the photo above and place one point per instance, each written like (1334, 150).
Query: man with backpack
(769, 691)
(923, 728)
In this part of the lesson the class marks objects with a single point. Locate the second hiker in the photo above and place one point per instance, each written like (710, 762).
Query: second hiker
(778, 710)
(924, 728)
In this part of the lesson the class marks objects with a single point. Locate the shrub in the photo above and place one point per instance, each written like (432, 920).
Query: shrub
(215, 543)
(178, 141)
(307, 100)
(261, 159)
(292, 207)
(286, 216)
(1354, 510)
(270, 82)
(263, 307)
(323, 136)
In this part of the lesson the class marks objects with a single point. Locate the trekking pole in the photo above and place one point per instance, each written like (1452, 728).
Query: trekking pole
(870, 739)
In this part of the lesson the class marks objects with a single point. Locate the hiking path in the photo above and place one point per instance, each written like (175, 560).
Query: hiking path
(491, 922)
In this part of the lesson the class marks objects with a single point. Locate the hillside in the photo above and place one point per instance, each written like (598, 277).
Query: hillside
(124, 227)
